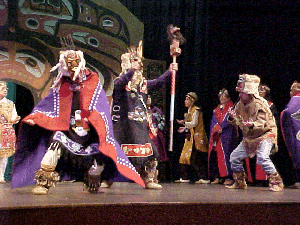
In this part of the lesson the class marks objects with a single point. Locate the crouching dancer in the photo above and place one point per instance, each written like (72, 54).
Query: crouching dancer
(74, 117)
(254, 117)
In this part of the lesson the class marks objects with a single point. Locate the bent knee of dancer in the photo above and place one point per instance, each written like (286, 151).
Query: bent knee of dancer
(235, 158)
(263, 160)
(236, 164)
(266, 164)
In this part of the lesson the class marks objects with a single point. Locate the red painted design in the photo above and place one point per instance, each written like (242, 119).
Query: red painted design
(137, 150)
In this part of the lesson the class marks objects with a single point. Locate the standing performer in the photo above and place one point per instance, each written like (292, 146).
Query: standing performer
(265, 92)
(255, 173)
(156, 124)
(290, 125)
(157, 131)
(73, 117)
(223, 139)
(254, 117)
(194, 152)
(8, 117)
(129, 114)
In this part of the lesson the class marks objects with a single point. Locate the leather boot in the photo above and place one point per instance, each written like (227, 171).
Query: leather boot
(275, 182)
(239, 181)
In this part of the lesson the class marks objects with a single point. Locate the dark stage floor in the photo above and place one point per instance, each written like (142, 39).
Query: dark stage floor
(128, 203)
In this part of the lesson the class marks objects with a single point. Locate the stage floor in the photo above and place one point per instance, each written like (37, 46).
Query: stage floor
(126, 193)
(175, 202)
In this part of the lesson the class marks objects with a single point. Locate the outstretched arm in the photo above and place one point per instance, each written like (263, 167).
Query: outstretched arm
(162, 79)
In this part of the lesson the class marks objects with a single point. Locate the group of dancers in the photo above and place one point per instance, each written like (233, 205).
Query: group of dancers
(75, 122)
(238, 133)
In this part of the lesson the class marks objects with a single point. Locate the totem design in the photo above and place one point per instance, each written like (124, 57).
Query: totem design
(30, 32)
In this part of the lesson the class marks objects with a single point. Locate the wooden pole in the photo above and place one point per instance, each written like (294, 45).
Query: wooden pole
(174, 52)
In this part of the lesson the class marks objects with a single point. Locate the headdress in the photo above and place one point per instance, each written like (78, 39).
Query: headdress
(68, 52)
(192, 95)
(248, 84)
(134, 54)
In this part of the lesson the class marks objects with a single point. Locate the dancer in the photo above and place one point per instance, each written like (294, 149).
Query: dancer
(74, 117)
(194, 153)
(265, 92)
(157, 129)
(129, 114)
(8, 117)
(253, 116)
(255, 173)
(290, 125)
(223, 139)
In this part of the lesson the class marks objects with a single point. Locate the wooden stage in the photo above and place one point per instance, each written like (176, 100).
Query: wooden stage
(128, 203)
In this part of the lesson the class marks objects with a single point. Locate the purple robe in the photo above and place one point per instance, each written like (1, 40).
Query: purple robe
(290, 125)
(129, 115)
(158, 138)
(229, 141)
(53, 114)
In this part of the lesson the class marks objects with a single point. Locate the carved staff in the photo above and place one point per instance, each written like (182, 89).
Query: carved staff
(176, 39)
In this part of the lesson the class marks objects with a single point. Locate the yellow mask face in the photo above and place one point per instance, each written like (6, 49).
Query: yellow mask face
(72, 61)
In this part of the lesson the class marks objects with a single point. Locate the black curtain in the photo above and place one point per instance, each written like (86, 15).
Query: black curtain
(225, 38)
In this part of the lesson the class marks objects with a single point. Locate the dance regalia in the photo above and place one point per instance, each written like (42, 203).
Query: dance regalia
(52, 117)
(8, 114)
(196, 139)
(129, 116)
(7, 132)
(157, 127)
(290, 125)
(259, 173)
(223, 143)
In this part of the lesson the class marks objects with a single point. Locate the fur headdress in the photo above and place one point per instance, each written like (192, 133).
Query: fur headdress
(63, 67)
(248, 84)
(134, 54)
(68, 49)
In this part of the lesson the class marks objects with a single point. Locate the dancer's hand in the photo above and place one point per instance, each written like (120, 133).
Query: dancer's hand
(173, 66)
(16, 120)
(232, 113)
(248, 123)
(180, 122)
(181, 129)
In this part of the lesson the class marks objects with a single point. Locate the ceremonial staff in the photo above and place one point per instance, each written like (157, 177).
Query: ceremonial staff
(175, 39)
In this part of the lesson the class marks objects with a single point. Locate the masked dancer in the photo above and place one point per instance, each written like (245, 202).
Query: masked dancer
(73, 118)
